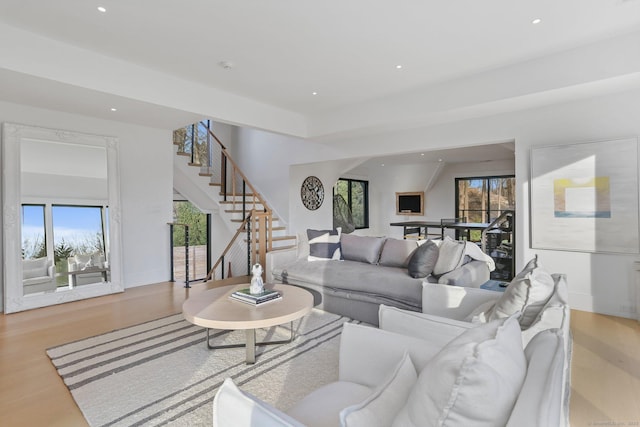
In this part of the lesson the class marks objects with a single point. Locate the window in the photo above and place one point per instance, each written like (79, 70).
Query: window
(356, 193)
(34, 244)
(483, 199)
(199, 250)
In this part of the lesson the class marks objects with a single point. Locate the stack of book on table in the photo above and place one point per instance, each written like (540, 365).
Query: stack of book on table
(267, 295)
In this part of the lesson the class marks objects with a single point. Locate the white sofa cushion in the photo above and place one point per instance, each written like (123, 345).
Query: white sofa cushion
(540, 401)
(321, 408)
(381, 407)
(485, 361)
(241, 408)
(450, 256)
(527, 293)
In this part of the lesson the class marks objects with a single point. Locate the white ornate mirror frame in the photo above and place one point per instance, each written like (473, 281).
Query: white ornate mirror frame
(14, 298)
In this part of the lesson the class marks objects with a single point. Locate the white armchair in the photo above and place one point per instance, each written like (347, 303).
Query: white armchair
(482, 377)
(38, 275)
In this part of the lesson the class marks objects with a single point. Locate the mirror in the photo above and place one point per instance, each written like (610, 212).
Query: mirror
(61, 216)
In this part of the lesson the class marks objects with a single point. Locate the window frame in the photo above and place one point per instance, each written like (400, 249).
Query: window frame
(350, 198)
(487, 213)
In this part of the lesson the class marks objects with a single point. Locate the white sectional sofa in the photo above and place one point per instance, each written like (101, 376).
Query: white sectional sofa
(375, 270)
(475, 376)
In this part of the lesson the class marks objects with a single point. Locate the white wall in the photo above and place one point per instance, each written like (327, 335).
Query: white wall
(265, 158)
(146, 165)
(603, 283)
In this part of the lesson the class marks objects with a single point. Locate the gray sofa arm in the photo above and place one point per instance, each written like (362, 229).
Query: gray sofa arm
(276, 259)
(471, 275)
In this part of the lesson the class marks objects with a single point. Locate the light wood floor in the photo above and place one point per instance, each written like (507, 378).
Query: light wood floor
(605, 374)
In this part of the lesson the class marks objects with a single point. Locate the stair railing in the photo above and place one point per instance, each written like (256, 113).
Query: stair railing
(244, 249)
(196, 141)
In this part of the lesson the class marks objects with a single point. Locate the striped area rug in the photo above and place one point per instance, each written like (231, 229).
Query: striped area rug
(162, 373)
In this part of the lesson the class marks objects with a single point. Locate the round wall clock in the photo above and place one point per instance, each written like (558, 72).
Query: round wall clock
(312, 193)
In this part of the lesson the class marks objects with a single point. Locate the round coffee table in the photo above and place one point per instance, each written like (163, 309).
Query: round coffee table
(213, 309)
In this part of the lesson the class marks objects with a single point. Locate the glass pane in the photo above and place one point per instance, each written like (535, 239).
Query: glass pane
(502, 195)
(186, 213)
(34, 244)
(472, 199)
(78, 238)
(358, 207)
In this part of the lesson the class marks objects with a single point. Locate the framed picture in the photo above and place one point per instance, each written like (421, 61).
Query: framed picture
(584, 197)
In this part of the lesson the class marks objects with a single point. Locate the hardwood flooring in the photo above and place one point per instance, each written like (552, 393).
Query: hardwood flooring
(605, 366)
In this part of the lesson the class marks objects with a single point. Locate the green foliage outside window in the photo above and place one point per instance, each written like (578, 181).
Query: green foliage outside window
(186, 213)
(356, 194)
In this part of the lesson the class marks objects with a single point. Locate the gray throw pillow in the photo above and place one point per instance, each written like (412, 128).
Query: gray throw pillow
(396, 253)
(361, 248)
(423, 260)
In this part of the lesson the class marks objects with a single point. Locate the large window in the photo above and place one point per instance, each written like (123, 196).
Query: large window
(483, 199)
(356, 193)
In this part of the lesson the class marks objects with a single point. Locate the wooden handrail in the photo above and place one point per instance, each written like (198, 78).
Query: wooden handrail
(239, 172)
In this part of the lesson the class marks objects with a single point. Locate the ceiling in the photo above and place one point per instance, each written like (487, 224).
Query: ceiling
(280, 52)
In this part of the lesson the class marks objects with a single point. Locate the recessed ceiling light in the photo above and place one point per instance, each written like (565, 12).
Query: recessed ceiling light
(382, 164)
(439, 160)
(398, 67)
(314, 93)
(114, 109)
(422, 154)
(536, 21)
(102, 9)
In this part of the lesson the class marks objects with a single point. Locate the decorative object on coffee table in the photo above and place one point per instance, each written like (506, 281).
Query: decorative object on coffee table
(256, 281)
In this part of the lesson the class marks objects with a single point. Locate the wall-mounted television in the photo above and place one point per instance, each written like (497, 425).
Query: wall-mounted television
(410, 203)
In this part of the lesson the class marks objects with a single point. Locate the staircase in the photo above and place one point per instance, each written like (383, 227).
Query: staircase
(208, 177)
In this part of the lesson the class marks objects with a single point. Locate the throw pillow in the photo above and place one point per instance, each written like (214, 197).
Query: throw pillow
(450, 257)
(484, 364)
(379, 409)
(527, 293)
(423, 260)
(361, 248)
(396, 253)
(324, 244)
(303, 246)
(232, 406)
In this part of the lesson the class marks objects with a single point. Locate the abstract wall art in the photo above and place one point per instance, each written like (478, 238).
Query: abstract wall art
(584, 197)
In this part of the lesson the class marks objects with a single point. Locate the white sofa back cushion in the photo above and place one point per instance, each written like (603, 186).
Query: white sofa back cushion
(484, 361)
(380, 408)
(541, 400)
(527, 293)
(241, 408)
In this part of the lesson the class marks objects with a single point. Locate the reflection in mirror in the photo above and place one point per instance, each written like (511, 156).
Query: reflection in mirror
(63, 190)
(52, 172)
